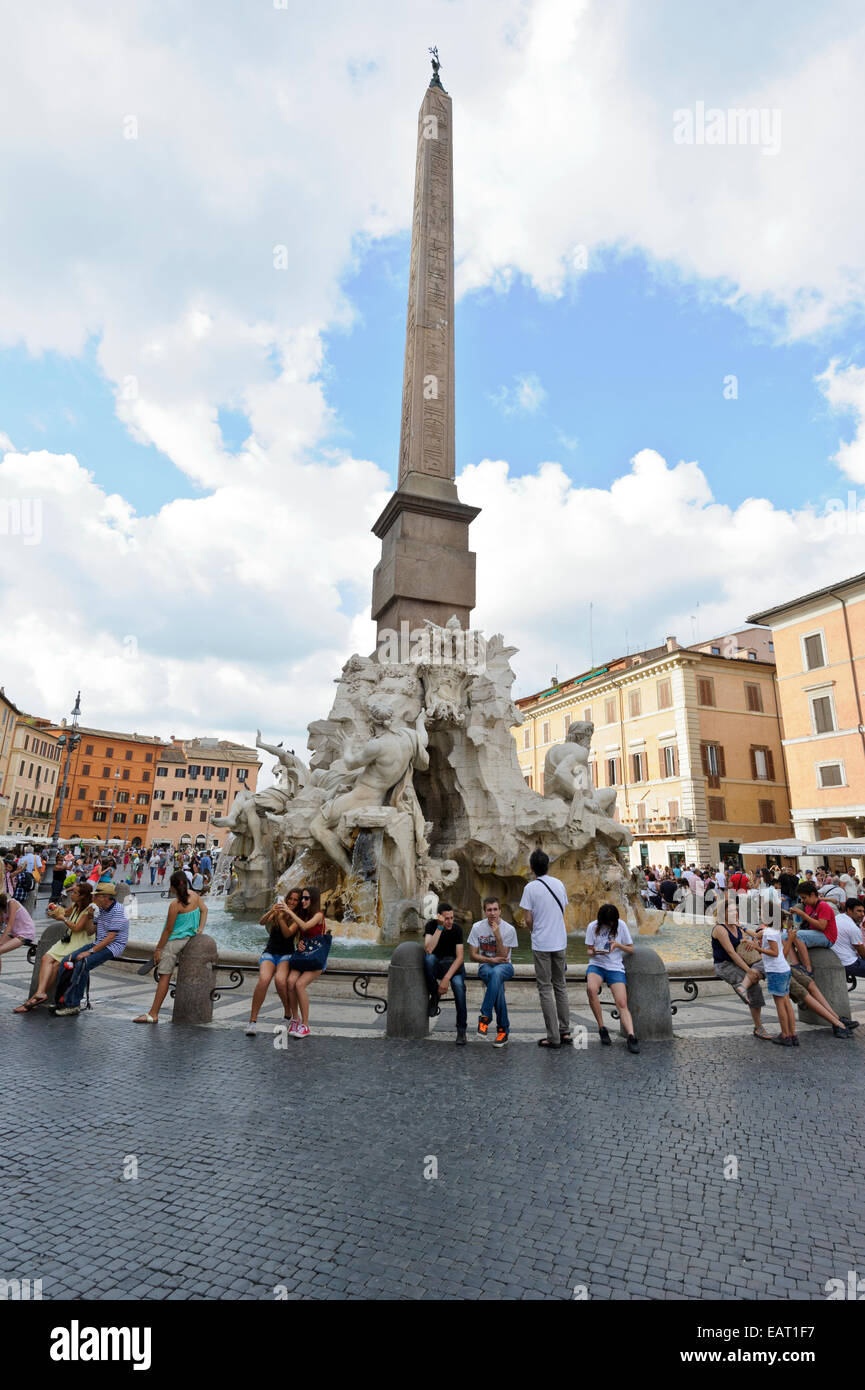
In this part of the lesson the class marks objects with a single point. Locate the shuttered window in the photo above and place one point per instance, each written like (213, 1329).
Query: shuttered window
(830, 775)
(714, 763)
(638, 767)
(669, 760)
(824, 721)
(753, 698)
(610, 711)
(762, 764)
(665, 695)
(814, 655)
(635, 704)
(614, 772)
(767, 813)
(717, 808)
(705, 690)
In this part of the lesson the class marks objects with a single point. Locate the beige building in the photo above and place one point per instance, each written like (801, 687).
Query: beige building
(33, 778)
(690, 738)
(820, 647)
(194, 778)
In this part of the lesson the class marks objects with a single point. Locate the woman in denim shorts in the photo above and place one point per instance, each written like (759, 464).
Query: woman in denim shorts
(606, 939)
(275, 956)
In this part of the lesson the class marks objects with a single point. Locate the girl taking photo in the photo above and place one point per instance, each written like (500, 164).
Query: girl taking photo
(309, 960)
(275, 957)
(606, 940)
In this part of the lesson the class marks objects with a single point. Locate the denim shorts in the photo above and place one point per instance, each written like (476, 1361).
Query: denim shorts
(609, 977)
(778, 982)
(274, 960)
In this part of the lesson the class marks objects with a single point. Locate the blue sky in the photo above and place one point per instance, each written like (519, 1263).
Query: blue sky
(629, 357)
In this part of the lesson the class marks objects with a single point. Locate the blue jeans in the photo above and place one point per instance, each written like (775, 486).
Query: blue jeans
(98, 958)
(495, 977)
(434, 969)
(812, 938)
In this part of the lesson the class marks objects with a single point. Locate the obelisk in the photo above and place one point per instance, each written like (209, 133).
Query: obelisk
(426, 568)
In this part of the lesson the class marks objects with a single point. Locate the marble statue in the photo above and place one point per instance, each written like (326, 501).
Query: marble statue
(568, 773)
(243, 820)
(379, 771)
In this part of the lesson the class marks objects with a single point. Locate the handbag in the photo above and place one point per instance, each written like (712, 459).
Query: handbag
(312, 955)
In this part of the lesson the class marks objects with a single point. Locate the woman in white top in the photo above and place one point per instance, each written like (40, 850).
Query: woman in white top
(606, 939)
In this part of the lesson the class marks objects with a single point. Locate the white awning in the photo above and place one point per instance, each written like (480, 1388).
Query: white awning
(848, 849)
(790, 848)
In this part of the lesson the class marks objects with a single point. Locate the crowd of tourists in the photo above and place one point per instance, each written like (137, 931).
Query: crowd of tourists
(765, 928)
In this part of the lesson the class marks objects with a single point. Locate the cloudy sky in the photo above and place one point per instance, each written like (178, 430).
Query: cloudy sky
(660, 340)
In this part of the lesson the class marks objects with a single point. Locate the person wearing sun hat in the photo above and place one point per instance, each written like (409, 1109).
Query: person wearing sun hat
(112, 934)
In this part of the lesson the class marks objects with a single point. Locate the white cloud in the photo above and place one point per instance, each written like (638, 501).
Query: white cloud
(644, 552)
(525, 397)
(844, 389)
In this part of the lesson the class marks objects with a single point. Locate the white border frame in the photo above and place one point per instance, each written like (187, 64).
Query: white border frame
(831, 762)
(817, 632)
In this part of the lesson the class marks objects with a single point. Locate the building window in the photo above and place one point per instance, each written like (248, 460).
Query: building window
(109, 752)
(119, 817)
(221, 773)
(527, 738)
(753, 698)
(241, 774)
(194, 770)
(714, 766)
(665, 694)
(587, 715)
(156, 815)
(767, 812)
(526, 775)
(128, 755)
(614, 778)
(187, 815)
(830, 775)
(106, 772)
(545, 733)
(208, 773)
(762, 765)
(177, 796)
(567, 723)
(126, 774)
(220, 796)
(610, 711)
(159, 796)
(635, 704)
(139, 820)
(145, 776)
(670, 760)
(122, 798)
(82, 793)
(638, 767)
(79, 815)
(148, 757)
(202, 816)
(717, 808)
(642, 812)
(85, 771)
(141, 799)
(813, 651)
(673, 810)
(88, 751)
(705, 690)
(162, 772)
(180, 772)
(174, 815)
(822, 714)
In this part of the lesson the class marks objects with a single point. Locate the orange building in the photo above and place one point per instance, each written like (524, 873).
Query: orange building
(689, 738)
(111, 781)
(820, 650)
(196, 777)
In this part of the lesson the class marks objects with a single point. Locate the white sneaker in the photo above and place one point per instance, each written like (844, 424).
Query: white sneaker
(251, 1030)
(301, 1031)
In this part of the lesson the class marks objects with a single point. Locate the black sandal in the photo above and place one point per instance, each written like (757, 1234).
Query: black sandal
(545, 1042)
(565, 1038)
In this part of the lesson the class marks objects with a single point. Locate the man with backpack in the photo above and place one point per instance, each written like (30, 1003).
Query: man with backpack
(112, 934)
(543, 903)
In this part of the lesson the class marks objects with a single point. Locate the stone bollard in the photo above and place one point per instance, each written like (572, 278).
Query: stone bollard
(50, 936)
(830, 979)
(195, 979)
(648, 988)
(407, 997)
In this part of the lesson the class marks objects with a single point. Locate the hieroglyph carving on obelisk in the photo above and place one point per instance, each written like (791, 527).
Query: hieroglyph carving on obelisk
(427, 428)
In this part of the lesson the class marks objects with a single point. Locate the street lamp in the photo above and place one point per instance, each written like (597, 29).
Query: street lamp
(70, 740)
(111, 812)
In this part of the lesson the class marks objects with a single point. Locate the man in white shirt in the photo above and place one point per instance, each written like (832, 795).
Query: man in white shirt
(833, 893)
(543, 903)
(848, 945)
(490, 943)
(721, 879)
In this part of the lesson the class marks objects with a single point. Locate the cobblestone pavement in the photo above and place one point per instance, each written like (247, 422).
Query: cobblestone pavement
(302, 1168)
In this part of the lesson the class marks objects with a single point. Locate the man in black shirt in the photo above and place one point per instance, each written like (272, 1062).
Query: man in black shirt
(443, 965)
(667, 890)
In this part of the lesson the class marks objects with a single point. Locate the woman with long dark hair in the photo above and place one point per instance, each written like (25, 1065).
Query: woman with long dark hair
(308, 961)
(186, 918)
(276, 955)
(606, 938)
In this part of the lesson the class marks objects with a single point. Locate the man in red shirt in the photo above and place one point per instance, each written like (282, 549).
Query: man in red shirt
(818, 918)
(739, 881)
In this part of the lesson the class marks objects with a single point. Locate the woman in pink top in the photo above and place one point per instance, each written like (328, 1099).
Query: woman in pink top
(17, 925)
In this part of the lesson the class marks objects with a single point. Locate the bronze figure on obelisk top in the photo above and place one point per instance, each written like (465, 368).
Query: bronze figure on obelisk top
(426, 569)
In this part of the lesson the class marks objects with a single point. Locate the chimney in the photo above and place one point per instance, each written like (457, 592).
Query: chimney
(672, 644)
